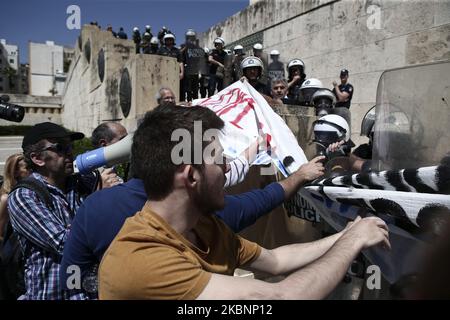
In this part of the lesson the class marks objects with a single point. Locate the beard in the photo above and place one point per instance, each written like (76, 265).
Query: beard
(210, 197)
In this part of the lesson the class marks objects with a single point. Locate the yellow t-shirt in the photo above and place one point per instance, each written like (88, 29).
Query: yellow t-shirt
(148, 259)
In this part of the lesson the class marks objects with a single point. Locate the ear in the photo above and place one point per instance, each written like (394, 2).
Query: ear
(102, 142)
(190, 176)
(37, 159)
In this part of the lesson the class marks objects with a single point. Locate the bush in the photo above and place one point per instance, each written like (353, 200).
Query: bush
(13, 130)
(82, 146)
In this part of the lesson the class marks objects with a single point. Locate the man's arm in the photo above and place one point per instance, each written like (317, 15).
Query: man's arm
(341, 96)
(307, 172)
(211, 60)
(242, 210)
(34, 221)
(315, 281)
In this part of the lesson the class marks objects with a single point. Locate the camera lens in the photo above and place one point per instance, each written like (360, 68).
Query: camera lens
(11, 112)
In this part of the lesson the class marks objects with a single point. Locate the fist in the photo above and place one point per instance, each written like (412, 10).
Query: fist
(312, 170)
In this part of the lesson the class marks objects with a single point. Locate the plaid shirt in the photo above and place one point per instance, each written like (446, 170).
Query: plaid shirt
(42, 233)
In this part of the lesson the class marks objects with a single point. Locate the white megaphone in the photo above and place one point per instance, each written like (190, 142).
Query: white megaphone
(116, 153)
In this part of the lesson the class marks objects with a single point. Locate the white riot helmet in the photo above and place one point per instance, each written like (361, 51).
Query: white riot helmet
(190, 33)
(148, 27)
(257, 46)
(154, 40)
(331, 128)
(308, 88)
(135, 29)
(252, 62)
(228, 51)
(206, 49)
(323, 98)
(238, 49)
(219, 40)
(169, 36)
(274, 53)
(296, 62)
(368, 123)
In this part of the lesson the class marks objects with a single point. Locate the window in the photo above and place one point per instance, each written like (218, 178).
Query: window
(1, 89)
(1, 79)
(11, 60)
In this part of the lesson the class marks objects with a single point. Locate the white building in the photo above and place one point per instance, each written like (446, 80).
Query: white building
(9, 59)
(47, 75)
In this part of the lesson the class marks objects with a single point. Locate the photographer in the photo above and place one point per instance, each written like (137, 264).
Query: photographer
(41, 215)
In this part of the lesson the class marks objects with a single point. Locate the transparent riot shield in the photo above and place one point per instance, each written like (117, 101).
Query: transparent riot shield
(412, 117)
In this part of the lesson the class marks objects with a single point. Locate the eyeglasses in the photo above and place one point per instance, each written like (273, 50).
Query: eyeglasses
(59, 148)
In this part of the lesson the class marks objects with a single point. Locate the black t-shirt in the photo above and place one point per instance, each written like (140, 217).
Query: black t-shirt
(345, 88)
(364, 151)
(219, 57)
(174, 52)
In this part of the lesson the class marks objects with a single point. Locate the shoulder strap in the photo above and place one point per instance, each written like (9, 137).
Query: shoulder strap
(38, 187)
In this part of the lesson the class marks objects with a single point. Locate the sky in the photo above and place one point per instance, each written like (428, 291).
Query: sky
(22, 21)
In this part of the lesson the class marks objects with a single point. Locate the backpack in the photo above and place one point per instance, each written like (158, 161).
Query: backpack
(12, 262)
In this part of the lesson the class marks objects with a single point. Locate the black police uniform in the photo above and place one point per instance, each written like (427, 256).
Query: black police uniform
(194, 61)
(219, 56)
(345, 88)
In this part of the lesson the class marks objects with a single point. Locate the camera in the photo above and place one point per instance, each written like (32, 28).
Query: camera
(9, 111)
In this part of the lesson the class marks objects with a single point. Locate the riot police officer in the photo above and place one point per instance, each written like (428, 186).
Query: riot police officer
(146, 38)
(252, 68)
(276, 67)
(217, 66)
(148, 29)
(137, 39)
(154, 45)
(169, 49)
(296, 76)
(239, 55)
(259, 53)
(323, 100)
(194, 63)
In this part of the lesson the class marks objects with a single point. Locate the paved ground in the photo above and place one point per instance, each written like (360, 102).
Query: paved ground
(8, 146)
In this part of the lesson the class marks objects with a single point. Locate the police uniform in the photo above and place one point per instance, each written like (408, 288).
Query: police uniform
(174, 52)
(194, 61)
(344, 88)
(215, 78)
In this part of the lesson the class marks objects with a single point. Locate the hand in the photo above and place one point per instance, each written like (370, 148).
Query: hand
(243, 78)
(312, 170)
(351, 224)
(296, 78)
(334, 146)
(181, 75)
(109, 178)
(369, 231)
(334, 83)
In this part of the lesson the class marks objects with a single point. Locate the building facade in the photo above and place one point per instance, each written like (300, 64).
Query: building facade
(9, 67)
(47, 76)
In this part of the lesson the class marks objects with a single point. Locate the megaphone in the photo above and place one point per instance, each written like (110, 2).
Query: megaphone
(111, 155)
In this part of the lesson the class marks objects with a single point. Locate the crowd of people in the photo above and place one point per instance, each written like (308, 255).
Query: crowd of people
(205, 71)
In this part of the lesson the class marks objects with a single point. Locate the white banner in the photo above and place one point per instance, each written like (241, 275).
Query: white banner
(247, 115)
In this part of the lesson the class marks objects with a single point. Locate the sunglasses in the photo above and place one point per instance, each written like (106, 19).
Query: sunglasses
(59, 148)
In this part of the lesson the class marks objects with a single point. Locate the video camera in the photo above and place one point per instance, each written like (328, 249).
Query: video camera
(9, 111)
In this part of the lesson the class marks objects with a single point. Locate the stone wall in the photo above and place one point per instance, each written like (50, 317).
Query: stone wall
(90, 100)
(365, 36)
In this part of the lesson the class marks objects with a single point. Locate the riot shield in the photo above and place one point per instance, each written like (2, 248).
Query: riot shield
(195, 60)
(412, 117)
